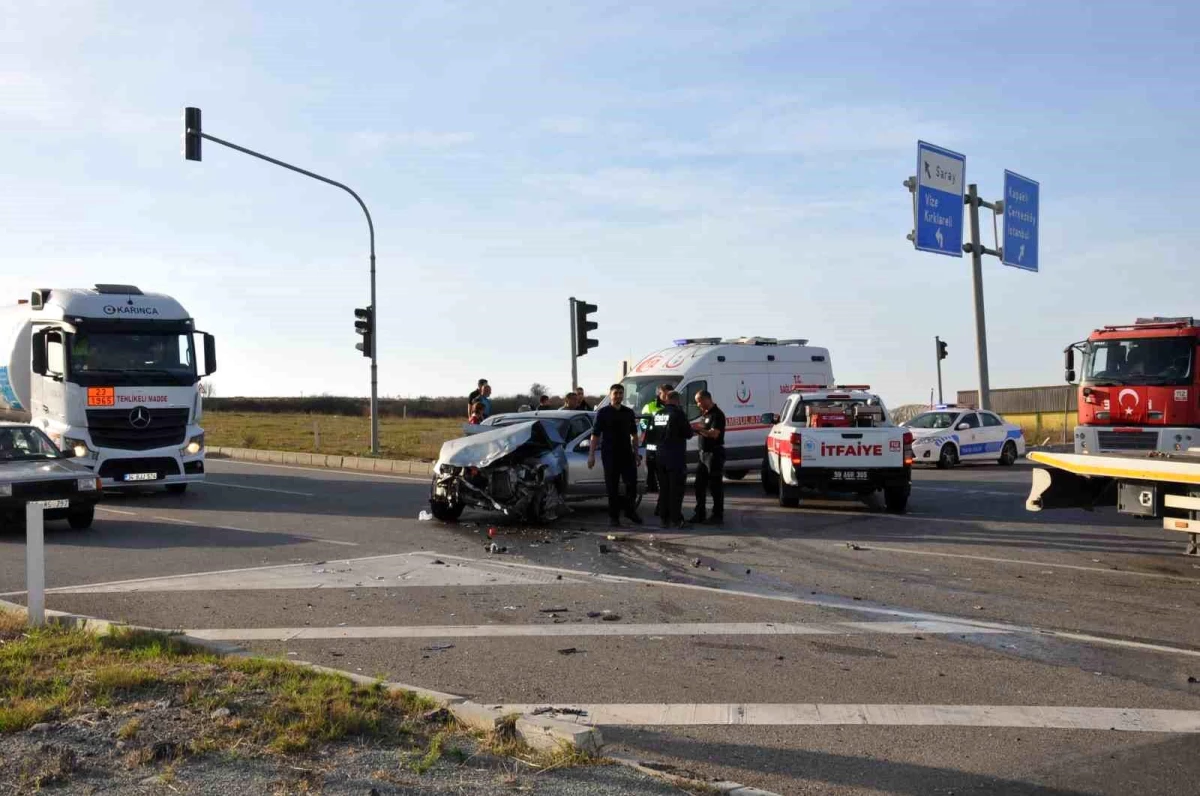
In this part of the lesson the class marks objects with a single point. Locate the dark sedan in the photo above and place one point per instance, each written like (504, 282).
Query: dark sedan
(32, 469)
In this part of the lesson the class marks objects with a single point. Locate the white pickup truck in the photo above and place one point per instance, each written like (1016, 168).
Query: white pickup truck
(837, 440)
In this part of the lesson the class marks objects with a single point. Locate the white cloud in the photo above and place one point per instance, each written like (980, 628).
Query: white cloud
(411, 139)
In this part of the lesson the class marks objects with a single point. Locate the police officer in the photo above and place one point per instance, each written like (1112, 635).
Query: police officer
(648, 426)
(615, 432)
(672, 433)
(710, 475)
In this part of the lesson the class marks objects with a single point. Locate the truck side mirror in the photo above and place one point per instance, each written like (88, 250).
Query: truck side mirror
(37, 356)
(1069, 364)
(1070, 376)
(210, 354)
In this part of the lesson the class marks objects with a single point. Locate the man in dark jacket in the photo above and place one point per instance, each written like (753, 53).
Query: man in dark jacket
(672, 432)
(615, 433)
(710, 475)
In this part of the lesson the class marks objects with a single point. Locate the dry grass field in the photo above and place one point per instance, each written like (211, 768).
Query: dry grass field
(399, 438)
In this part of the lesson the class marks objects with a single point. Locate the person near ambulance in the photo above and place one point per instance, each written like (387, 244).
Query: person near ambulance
(710, 475)
(672, 431)
(648, 423)
(615, 432)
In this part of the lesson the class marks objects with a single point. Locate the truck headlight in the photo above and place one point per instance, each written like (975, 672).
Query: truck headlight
(86, 484)
(194, 446)
(75, 447)
(5, 490)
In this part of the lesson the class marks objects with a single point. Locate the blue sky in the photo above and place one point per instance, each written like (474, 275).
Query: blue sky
(694, 168)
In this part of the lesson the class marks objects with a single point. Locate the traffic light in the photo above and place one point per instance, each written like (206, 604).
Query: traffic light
(583, 327)
(364, 324)
(191, 133)
(941, 348)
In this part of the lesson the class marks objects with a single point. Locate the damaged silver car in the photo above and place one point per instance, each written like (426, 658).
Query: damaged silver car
(525, 465)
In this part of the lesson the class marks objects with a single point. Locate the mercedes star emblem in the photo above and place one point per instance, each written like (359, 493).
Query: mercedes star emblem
(139, 417)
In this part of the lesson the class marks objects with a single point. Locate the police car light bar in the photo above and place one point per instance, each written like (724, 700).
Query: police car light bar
(697, 341)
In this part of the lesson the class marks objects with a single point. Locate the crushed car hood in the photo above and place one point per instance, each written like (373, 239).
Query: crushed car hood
(483, 448)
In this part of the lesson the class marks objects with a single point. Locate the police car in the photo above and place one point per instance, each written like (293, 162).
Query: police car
(948, 435)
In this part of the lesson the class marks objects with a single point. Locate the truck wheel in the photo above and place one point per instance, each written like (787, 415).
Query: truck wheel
(948, 457)
(176, 489)
(1008, 456)
(735, 475)
(446, 512)
(895, 499)
(789, 496)
(770, 481)
(80, 519)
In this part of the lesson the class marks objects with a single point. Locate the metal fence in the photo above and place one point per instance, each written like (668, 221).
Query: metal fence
(1027, 400)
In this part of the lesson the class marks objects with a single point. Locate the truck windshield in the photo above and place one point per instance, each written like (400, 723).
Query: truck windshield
(124, 358)
(640, 390)
(1142, 360)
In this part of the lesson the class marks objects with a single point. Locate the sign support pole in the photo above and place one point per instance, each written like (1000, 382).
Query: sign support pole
(977, 250)
(35, 564)
(574, 349)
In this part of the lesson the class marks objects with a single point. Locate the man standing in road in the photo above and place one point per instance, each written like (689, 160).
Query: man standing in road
(710, 475)
(648, 425)
(583, 404)
(671, 434)
(475, 393)
(615, 432)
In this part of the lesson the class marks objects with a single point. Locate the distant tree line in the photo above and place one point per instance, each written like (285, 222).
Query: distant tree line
(424, 406)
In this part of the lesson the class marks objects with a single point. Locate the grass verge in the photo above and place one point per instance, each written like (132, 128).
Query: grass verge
(339, 436)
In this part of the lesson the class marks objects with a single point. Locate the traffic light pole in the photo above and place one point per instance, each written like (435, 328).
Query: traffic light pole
(370, 230)
(937, 354)
(574, 349)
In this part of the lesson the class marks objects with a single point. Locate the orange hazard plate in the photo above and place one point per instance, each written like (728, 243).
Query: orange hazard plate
(102, 396)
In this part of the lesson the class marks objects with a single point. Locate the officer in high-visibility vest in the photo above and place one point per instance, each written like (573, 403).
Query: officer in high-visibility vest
(651, 435)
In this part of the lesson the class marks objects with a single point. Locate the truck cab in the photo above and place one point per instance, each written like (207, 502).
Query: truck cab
(838, 439)
(1138, 387)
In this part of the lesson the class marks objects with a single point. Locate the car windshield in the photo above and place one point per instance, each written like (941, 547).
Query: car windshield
(641, 390)
(1143, 360)
(933, 420)
(23, 443)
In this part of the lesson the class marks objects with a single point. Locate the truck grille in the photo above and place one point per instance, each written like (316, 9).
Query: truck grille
(1127, 441)
(124, 430)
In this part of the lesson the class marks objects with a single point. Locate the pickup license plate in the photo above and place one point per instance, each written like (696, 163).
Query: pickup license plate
(851, 475)
(54, 504)
(141, 476)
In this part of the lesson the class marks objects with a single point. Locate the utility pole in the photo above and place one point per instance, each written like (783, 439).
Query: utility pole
(192, 135)
(977, 250)
(574, 349)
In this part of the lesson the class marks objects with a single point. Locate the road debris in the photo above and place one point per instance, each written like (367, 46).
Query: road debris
(496, 549)
(437, 647)
(610, 618)
(438, 561)
(553, 610)
(854, 546)
(594, 614)
(570, 651)
(557, 711)
(603, 549)
(696, 563)
(425, 516)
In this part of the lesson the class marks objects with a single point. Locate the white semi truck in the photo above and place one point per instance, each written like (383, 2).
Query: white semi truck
(111, 374)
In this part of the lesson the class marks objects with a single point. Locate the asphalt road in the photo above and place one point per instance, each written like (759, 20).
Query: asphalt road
(968, 646)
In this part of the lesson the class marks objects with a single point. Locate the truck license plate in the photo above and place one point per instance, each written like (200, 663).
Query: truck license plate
(141, 476)
(54, 504)
(850, 475)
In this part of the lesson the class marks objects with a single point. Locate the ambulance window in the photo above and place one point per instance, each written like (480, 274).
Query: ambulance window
(689, 398)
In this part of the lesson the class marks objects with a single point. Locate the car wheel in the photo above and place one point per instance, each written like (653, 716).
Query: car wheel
(176, 489)
(1008, 456)
(789, 496)
(82, 518)
(895, 498)
(735, 475)
(446, 512)
(770, 480)
(948, 457)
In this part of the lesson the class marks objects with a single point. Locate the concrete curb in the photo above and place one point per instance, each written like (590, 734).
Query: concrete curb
(359, 463)
(540, 733)
(652, 770)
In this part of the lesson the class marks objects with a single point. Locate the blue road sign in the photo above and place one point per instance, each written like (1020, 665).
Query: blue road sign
(1020, 247)
(939, 213)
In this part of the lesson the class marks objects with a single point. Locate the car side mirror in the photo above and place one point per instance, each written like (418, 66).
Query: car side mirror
(963, 426)
(37, 357)
(586, 444)
(769, 418)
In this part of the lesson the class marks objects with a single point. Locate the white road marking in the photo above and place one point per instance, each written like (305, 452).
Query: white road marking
(581, 630)
(256, 488)
(781, 715)
(118, 511)
(328, 470)
(991, 559)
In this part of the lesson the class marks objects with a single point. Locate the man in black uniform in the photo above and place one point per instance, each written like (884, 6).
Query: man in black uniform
(710, 475)
(671, 433)
(616, 434)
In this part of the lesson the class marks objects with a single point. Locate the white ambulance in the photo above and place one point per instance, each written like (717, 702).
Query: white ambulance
(747, 376)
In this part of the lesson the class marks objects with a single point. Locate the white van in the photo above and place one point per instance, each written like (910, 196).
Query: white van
(747, 376)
